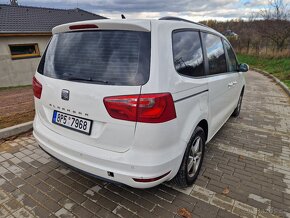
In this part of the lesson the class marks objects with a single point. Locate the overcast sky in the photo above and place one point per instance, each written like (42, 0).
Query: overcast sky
(196, 10)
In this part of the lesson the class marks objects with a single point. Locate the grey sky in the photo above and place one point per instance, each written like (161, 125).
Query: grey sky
(190, 9)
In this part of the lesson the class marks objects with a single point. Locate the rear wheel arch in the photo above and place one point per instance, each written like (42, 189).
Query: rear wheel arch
(204, 125)
(190, 166)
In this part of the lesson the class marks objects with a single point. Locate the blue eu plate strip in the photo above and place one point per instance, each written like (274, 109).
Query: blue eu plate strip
(54, 116)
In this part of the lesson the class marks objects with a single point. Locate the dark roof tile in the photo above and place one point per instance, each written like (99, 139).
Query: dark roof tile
(36, 19)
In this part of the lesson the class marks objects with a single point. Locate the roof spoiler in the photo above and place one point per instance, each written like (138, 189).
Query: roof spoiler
(105, 24)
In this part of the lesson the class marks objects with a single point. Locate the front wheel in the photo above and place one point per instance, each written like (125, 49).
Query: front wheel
(192, 159)
(237, 110)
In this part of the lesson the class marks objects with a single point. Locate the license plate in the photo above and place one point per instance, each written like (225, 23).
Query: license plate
(72, 122)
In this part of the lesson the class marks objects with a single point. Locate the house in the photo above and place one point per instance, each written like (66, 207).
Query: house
(231, 34)
(24, 34)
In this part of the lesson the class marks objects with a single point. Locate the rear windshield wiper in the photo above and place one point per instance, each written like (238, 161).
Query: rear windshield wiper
(88, 79)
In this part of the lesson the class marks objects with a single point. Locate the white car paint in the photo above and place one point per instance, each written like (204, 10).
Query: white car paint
(130, 149)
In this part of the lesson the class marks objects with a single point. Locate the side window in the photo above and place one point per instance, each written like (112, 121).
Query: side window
(215, 54)
(187, 53)
(232, 61)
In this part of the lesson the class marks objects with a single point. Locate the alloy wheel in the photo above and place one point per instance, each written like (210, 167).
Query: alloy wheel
(194, 158)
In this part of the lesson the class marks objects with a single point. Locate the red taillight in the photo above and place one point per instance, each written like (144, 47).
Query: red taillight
(151, 179)
(122, 107)
(146, 108)
(37, 88)
(83, 26)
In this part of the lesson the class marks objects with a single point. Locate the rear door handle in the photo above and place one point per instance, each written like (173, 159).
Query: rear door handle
(235, 82)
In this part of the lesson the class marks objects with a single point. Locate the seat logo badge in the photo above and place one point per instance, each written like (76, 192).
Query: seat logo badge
(65, 94)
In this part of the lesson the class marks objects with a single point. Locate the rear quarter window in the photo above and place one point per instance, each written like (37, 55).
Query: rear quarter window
(187, 53)
(109, 57)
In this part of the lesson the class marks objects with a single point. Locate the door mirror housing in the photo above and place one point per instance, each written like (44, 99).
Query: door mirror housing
(243, 67)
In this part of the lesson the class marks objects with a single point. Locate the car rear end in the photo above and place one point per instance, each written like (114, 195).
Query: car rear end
(89, 101)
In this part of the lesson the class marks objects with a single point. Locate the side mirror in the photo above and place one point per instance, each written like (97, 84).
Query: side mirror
(243, 67)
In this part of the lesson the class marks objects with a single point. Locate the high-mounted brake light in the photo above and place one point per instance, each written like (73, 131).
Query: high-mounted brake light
(145, 108)
(37, 88)
(83, 26)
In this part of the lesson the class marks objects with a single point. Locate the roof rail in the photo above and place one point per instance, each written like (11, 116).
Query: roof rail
(181, 19)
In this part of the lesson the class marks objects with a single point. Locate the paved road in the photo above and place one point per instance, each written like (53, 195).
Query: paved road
(246, 173)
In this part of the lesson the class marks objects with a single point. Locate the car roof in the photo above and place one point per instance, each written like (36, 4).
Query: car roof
(137, 25)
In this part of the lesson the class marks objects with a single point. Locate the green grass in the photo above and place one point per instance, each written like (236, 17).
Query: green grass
(279, 67)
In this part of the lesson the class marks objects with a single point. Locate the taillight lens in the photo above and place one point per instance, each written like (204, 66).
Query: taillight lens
(146, 108)
(37, 88)
(122, 107)
(155, 108)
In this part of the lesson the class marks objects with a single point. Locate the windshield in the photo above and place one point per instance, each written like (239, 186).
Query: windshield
(107, 57)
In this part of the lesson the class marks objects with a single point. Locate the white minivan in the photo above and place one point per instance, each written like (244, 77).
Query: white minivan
(135, 101)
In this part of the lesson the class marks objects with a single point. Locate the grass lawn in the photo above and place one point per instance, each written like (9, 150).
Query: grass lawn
(279, 67)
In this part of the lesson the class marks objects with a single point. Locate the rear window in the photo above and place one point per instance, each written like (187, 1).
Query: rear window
(106, 57)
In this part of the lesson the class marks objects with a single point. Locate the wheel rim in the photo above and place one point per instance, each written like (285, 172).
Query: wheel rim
(194, 158)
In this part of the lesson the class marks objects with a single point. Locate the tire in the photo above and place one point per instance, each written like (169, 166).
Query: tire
(185, 177)
(237, 110)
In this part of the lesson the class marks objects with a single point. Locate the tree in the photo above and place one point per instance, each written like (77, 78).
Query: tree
(275, 24)
(276, 10)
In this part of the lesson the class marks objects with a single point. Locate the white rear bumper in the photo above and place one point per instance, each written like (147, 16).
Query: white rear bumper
(96, 161)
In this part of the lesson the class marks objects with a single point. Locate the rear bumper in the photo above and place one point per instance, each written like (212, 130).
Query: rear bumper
(128, 165)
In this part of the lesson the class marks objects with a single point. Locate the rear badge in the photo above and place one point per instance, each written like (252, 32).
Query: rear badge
(65, 94)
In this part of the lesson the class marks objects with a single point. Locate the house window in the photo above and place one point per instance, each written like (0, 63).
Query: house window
(20, 51)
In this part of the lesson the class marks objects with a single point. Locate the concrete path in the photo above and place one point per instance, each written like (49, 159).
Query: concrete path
(246, 173)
